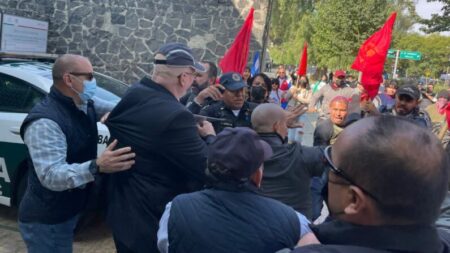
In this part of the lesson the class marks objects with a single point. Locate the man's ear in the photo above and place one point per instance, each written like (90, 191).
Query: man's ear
(67, 80)
(275, 126)
(357, 201)
(257, 176)
(182, 80)
(212, 80)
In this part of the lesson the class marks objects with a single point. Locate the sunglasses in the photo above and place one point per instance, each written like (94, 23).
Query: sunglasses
(89, 75)
(340, 173)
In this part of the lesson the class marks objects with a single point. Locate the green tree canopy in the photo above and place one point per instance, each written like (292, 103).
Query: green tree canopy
(334, 30)
(438, 23)
(434, 48)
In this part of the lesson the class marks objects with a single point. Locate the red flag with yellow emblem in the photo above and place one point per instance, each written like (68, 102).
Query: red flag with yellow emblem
(235, 59)
(372, 56)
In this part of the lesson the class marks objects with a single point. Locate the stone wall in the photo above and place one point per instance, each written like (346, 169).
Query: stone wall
(121, 36)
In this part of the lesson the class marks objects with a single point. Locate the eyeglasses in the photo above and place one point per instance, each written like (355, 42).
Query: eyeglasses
(89, 75)
(342, 174)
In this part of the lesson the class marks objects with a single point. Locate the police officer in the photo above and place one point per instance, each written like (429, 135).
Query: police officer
(233, 109)
(407, 102)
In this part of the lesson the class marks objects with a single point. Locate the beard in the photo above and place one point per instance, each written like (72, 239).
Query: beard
(200, 86)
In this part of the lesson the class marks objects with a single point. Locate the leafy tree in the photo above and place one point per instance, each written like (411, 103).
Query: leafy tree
(435, 54)
(340, 27)
(438, 23)
(289, 29)
(334, 30)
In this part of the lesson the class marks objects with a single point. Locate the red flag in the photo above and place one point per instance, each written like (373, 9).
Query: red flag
(303, 61)
(447, 115)
(235, 59)
(372, 55)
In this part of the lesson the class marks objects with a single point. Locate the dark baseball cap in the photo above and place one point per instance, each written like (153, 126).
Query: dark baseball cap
(177, 54)
(410, 90)
(239, 151)
(232, 81)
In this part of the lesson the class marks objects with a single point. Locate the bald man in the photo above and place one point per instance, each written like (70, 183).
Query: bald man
(383, 196)
(325, 134)
(287, 173)
(328, 130)
(61, 136)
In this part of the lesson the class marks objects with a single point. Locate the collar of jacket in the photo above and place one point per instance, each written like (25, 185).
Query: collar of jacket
(244, 107)
(406, 238)
(150, 83)
(247, 186)
(272, 138)
(66, 101)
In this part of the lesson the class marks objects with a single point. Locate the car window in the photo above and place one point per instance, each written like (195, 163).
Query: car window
(110, 89)
(17, 95)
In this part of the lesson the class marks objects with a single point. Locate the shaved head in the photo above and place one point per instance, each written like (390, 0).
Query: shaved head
(400, 163)
(265, 116)
(339, 99)
(67, 63)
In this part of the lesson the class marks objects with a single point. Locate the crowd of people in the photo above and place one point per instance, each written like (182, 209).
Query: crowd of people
(205, 163)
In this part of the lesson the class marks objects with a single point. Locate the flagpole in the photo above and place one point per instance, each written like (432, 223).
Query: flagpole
(395, 64)
(262, 61)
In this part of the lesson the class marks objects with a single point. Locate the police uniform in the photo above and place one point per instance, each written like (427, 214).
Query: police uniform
(231, 81)
(220, 110)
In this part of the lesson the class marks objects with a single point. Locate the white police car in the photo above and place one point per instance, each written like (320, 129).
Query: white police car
(23, 83)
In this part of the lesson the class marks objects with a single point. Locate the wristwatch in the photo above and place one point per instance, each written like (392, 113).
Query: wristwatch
(93, 167)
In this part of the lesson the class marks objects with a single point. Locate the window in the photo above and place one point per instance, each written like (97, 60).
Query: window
(17, 95)
(109, 89)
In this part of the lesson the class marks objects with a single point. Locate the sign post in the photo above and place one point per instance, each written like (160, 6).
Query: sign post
(394, 75)
(402, 54)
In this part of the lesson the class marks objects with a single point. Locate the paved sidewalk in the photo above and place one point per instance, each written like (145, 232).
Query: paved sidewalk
(96, 238)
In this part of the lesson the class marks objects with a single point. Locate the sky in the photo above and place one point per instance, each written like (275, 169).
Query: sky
(424, 9)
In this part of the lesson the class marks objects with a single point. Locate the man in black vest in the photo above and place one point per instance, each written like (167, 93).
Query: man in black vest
(61, 135)
(170, 154)
(383, 196)
(230, 215)
(287, 174)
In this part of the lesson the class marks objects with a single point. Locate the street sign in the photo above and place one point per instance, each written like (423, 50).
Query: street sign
(410, 55)
(391, 53)
(406, 55)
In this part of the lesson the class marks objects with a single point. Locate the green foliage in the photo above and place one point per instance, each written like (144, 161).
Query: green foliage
(340, 27)
(290, 28)
(435, 51)
(438, 23)
(333, 29)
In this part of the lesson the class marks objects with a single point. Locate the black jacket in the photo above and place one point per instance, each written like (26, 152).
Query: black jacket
(220, 110)
(339, 236)
(288, 172)
(170, 157)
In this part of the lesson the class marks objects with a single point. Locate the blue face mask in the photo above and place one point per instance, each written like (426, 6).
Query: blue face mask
(89, 89)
